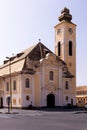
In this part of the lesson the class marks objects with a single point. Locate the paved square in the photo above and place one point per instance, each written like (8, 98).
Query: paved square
(43, 120)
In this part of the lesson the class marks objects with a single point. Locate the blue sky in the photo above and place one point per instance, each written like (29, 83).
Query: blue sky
(23, 22)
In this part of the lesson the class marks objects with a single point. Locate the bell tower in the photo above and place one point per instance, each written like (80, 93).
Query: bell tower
(65, 40)
(65, 46)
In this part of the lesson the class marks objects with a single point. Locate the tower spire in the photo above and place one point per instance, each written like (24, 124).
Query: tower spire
(65, 15)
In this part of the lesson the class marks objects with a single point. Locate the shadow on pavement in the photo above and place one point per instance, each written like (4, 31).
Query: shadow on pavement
(59, 109)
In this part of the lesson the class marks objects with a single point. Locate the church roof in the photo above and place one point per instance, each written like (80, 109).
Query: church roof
(17, 62)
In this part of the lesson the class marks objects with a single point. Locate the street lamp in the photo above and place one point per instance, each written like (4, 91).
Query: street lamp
(10, 82)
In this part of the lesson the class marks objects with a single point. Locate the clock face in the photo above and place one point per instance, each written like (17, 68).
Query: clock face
(70, 30)
(58, 31)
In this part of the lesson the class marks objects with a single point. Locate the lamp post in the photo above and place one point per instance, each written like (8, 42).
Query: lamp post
(10, 82)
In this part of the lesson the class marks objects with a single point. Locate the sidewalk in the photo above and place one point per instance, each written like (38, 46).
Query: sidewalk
(13, 111)
(5, 111)
(40, 110)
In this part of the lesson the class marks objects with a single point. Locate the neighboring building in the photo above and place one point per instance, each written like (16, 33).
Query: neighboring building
(39, 76)
(81, 96)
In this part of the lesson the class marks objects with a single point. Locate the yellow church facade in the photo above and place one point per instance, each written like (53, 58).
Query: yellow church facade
(39, 77)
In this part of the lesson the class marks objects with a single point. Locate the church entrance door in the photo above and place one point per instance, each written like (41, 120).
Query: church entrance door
(50, 100)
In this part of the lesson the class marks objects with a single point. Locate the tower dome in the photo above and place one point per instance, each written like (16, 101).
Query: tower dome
(65, 15)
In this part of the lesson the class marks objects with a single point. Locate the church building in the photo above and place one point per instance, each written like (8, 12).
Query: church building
(39, 76)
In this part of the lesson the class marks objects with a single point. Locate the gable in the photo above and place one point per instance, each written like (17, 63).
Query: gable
(49, 59)
(39, 52)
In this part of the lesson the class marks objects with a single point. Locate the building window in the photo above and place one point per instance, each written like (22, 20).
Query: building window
(51, 75)
(59, 49)
(7, 86)
(78, 93)
(14, 101)
(19, 101)
(66, 85)
(14, 85)
(27, 98)
(70, 64)
(27, 83)
(79, 101)
(70, 48)
(66, 98)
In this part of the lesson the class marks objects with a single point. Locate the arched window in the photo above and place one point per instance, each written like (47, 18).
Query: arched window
(7, 86)
(27, 98)
(14, 85)
(51, 75)
(66, 98)
(27, 83)
(59, 49)
(70, 48)
(66, 84)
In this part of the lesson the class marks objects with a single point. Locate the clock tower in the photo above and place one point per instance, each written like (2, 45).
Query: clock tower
(65, 43)
(65, 40)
